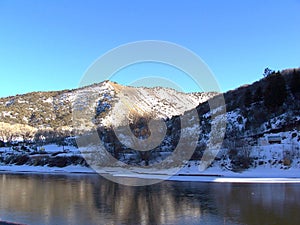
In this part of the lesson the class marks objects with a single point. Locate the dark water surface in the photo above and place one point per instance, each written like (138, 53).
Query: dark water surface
(91, 199)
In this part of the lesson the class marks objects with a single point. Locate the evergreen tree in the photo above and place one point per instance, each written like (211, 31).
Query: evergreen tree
(258, 95)
(247, 98)
(275, 93)
(268, 72)
(295, 82)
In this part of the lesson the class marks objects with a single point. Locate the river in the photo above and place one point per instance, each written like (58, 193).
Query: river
(90, 199)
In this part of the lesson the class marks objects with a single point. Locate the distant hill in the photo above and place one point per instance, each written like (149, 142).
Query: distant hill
(266, 111)
(50, 113)
(267, 105)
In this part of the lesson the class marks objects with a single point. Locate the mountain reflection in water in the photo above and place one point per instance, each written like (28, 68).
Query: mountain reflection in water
(91, 199)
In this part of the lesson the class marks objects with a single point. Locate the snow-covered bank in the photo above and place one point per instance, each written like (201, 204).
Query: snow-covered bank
(269, 167)
(44, 169)
(256, 175)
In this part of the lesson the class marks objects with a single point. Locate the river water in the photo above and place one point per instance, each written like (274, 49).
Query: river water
(90, 199)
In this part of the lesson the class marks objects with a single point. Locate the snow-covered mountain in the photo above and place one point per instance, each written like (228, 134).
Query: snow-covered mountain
(40, 111)
(262, 120)
(257, 115)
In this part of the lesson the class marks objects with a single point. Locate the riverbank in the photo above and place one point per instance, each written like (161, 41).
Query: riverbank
(59, 160)
(191, 173)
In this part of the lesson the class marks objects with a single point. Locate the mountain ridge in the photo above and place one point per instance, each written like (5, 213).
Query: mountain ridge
(53, 110)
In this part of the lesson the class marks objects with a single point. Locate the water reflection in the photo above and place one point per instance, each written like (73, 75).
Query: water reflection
(90, 199)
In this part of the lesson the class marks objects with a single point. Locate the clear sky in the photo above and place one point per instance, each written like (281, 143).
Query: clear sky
(48, 45)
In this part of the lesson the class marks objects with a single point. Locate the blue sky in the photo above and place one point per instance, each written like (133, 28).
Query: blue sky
(48, 45)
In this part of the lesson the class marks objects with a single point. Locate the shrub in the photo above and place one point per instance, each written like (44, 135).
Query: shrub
(58, 162)
(287, 162)
(21, 160)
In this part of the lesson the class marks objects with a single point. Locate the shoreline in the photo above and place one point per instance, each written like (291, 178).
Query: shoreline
(211, 175)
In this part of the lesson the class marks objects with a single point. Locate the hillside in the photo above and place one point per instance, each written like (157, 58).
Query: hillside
(50, 113)
(262, 124)
(254, 114)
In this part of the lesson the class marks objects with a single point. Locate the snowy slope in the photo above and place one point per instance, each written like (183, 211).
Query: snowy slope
(157, 102)
(99, 104)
